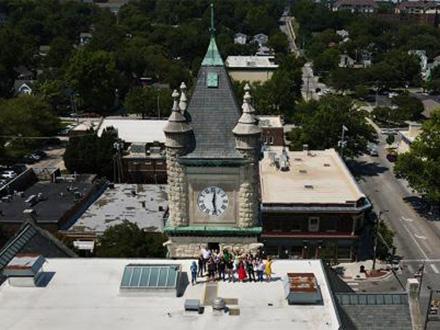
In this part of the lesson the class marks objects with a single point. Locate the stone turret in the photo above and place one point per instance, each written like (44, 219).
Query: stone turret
(247, 138)
(177, 133)
(183, 101)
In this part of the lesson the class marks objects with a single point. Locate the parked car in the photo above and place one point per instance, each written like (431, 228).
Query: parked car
(28, 159)
(18, 168)
(40, 153)
(372, 150)
(8, 174)
(392, 157)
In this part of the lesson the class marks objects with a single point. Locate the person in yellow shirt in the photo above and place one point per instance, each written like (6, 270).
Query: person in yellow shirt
(268, 269)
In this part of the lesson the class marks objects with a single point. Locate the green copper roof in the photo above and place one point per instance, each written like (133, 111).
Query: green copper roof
(211, 230)
(212, 57)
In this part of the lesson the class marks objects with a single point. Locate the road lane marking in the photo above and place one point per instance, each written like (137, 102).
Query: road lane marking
(410, 268)
(415, 241)
(435, 269)
(420, 236)
(406, 219)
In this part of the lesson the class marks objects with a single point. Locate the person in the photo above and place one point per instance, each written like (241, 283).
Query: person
(268, 269)
(211, 269)
(193, 269)
(250, 269)
(241, 271)
(260, 269)
(200, 268)
(206, 254)
(221, 268)
(230, 270)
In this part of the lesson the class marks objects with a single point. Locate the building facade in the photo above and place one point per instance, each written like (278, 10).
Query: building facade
(212, 166)
(311, 205)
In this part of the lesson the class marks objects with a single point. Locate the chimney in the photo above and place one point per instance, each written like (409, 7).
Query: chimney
(30, 215)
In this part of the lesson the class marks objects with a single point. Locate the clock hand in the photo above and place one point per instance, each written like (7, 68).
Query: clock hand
(214, 205)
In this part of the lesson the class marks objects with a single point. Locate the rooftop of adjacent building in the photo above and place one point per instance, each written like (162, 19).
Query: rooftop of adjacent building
(136, 130)
(48, 200)
(309, 177)
(85, 293)
(413, 131)
(249, 62)
(270, 121)
(143, 204)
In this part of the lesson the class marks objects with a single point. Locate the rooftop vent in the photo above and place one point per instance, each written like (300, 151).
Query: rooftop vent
(298, 159)
(308, 186)
(24, 270)
(327, 165)
(303, 171)
(302, 289)
(218, 304)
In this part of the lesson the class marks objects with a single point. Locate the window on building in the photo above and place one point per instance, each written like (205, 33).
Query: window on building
(313, 224)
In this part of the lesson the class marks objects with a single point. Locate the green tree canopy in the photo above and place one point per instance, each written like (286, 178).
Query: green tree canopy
(26, 119)
(146, 100)
(91, 154)
(94, 76)
(421, 165)
(127, 240)
(322, 127)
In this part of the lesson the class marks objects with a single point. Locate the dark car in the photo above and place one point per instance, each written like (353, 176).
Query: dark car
(19, 168)
(28, 159)
(40, 153)
(392, 157)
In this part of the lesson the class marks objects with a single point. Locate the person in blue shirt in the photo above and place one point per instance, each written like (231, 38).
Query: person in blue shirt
(193, 269)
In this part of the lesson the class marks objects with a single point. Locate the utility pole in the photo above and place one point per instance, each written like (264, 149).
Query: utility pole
(379, 218)
(422, 274)
(342, 142)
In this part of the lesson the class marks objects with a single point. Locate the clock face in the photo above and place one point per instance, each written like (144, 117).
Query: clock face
(213, 200)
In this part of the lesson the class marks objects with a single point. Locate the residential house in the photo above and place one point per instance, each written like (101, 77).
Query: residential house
(23, 87)
(44, 50)
(345, 61)
(261, 39)
(23, 73)
(240, 38)
(356, 6)
(417, 7)
(84, 38)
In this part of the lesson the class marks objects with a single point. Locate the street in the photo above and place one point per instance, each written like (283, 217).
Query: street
(417, 236)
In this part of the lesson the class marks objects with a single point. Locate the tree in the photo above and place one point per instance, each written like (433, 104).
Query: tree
(326, 61)
(386, 243)
(91, 154)
(94, 76)
(55, 93)
(421, 165)
(145, 101)
(26, 119)
(278, 41)
(322, 128)
(390, 139)
(408, 107)
(127, 240)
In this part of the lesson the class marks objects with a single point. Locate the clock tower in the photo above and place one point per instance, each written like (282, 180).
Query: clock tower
(212, 153)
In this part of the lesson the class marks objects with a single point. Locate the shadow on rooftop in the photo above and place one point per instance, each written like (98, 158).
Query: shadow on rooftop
(46, 277)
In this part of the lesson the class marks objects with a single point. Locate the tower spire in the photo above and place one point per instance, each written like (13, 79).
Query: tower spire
(212, 28)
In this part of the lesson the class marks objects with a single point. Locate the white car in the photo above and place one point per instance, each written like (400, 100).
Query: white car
(9, 174)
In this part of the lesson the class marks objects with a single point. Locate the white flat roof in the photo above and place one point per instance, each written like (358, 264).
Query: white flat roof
(84, 294)
(251, 62)
(270, 121)
(314, 177)
(136, 130)
(136, 203)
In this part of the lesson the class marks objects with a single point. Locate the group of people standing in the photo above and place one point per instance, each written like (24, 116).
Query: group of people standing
(229, 266)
